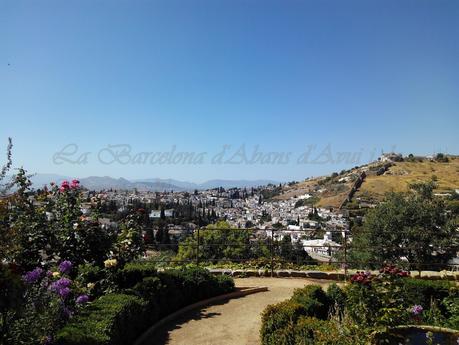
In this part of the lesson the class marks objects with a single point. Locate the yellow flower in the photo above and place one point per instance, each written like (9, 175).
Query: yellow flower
(56, 274)
(110, 263)
(90, 285)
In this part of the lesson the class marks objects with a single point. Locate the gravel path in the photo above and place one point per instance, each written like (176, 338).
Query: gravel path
(233, 322)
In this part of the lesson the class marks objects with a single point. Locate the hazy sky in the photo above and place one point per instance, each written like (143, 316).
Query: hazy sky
(277, 77)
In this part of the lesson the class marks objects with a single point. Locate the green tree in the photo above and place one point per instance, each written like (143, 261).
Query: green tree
(28, 224)
(286, 248)
(7, 235)
(293, 251)
(4, 187)
(216, 242)
(410, 227)
(129, 244)
(442, 158)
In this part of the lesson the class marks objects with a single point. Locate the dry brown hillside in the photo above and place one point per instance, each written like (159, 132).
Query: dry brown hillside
(399, 176)
(332, 191)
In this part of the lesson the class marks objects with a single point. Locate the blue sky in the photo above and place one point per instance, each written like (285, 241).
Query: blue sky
(336, 77)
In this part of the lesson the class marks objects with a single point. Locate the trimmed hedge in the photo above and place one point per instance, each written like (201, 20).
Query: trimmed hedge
(117, 319)
(134, 272)
(174, 289)
(279, 321)
(314, 300)
(113, 319)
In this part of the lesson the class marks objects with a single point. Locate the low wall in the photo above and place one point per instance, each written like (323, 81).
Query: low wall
(332, 275)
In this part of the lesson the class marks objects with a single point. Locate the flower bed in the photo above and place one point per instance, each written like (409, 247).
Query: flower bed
(69, 278)
(362, 312)
(121, 318)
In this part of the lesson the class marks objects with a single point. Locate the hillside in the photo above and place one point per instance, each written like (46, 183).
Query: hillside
(398, 177)
(374, 180)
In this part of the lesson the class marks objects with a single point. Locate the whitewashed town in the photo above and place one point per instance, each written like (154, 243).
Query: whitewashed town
(245, 208)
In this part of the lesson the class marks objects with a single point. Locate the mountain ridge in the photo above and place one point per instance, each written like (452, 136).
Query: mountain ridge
(147, 184)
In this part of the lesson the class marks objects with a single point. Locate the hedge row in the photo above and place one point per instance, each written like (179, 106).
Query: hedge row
(134, 272)
(118, 319)
(279, 321)
(303, 318)
(422, 292)
(113, 319)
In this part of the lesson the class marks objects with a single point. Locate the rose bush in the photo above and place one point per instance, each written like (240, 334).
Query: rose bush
(55, 259)
(362, 311)
(378, 299)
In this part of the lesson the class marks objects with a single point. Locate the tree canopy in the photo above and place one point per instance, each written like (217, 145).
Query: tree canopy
(411, 227)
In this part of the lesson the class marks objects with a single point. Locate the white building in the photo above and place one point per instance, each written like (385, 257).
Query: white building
(321, 248)
(157, 213)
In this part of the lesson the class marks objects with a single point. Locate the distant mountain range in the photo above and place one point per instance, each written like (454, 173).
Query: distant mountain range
(153, 184)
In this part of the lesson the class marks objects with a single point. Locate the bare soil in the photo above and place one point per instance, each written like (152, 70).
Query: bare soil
(232, 322)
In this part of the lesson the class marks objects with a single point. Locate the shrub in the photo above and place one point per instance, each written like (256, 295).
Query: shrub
(47, 302)
(313, 299)
(114, 319)
(12, 287)
(197, 283)
(278, 322)
(308, 329)
(225, 283)
(172, 289)
(133, 273)
(337, 298)
(194, 283)
(152, 290)
(422, 292)
(89, 273)
(93, 278)
(121, 318)
(147, 289)
(451, 304)
(170, 295)
(359, 313)
(312, 331)
(362, 303)
(378, 300)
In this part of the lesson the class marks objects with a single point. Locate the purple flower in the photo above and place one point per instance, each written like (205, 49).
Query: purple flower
(417, 309)
(63, 282)
(82, 299)
(33, 276)
(61, 287)
(65, 267)
(64, 292)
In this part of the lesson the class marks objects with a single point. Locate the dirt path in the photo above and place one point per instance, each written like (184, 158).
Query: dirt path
(233, 322)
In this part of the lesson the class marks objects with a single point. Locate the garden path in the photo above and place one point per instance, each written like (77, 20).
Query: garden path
(232, 322)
